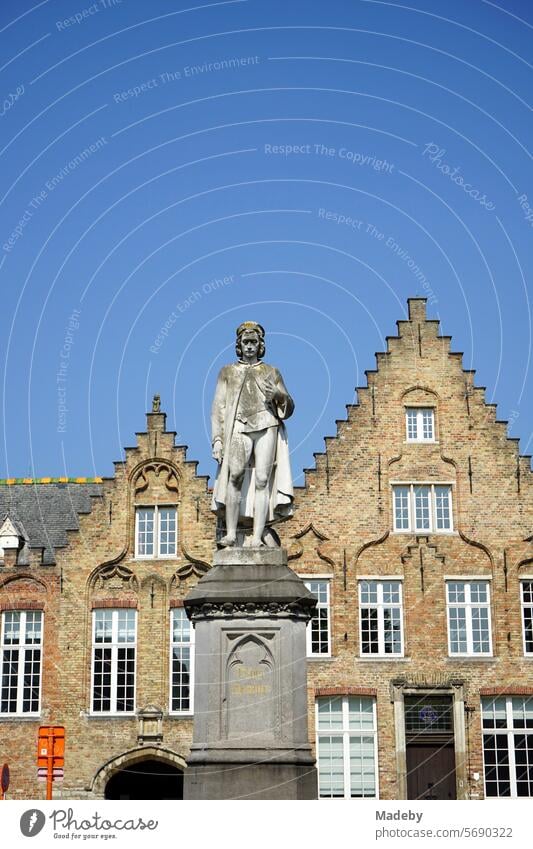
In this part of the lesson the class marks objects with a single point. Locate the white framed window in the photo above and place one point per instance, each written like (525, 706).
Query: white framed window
(508, 746)
(347, 755)
(420, 424)
(469, 621)
(526, 593)
(319, 627)
(21, 649)
(113, 661)
(380, 618)
(422, 507)
(181, 662)
(156, 531)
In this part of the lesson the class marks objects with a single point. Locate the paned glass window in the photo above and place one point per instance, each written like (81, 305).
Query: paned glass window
(181, 662)
(468, 617)
(346, 747)
(420, 507)
(420, 424)
(527, 615)
(156, 532)
(380, 606)
(319, 628)
(113, 669)
(21, 651)
(508, 746)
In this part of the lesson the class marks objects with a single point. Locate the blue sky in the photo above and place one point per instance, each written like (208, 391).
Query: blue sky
(170, 169)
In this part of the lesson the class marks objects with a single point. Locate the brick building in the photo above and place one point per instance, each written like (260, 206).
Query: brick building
(414, 530)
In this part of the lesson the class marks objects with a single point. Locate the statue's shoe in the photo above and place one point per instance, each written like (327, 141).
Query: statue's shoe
(227, 542)
(249, 543)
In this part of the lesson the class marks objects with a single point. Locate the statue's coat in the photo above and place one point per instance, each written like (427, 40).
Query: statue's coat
(229, 385)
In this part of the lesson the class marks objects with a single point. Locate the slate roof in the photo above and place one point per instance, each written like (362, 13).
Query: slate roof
(45, 511)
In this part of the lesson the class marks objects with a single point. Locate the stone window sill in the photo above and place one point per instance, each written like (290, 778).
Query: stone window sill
(87, 715)
(36, 717)
(379, 659)
(468, 658)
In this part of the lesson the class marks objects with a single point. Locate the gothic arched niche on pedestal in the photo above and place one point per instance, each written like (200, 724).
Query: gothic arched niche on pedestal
(251, 690)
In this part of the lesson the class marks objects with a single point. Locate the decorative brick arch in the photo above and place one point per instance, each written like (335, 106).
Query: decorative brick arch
(127, 759)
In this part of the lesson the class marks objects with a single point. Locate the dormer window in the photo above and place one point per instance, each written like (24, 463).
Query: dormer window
(10, 536)
(420, 424)
(156, 532)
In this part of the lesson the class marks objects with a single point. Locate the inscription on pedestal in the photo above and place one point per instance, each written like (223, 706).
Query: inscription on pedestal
(251, 688)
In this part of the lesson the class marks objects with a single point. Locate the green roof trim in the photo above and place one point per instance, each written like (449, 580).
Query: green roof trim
(29, 481)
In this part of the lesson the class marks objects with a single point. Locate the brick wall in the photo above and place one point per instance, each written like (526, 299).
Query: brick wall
(342, 527)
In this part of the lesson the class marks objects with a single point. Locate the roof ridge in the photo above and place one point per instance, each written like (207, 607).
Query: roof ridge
(28, 481)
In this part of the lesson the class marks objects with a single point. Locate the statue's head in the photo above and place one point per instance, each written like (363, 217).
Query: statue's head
(250, 331)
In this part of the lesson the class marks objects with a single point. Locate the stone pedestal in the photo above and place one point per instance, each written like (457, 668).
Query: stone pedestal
(250, 736)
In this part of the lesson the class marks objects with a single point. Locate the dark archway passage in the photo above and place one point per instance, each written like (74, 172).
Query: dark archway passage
(148, 779)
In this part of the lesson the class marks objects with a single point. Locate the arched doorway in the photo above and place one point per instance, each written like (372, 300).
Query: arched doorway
(146, 779)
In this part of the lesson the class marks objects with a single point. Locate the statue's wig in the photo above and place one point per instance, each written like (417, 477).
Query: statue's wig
(250, 327)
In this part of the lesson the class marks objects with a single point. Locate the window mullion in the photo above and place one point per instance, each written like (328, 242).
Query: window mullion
(114, 660)
(379, 618)
(328, 617)
(469, 634)
(468, 619)
(346, 747)
(93, 659)
(510, 744)
(21, 662)
(402, 646)
(381, 627)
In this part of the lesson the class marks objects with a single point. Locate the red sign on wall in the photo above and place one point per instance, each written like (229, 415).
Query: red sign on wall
(4, 779)
(50, 754)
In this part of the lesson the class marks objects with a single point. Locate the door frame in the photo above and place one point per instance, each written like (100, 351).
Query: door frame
(455, 689)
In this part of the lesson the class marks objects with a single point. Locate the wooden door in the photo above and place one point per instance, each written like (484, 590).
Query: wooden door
(430, 771)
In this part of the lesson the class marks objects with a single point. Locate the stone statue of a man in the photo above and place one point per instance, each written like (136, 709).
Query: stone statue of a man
(253, 484)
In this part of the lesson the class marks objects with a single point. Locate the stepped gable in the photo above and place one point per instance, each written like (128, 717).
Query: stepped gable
(45, 512)
(418, 358)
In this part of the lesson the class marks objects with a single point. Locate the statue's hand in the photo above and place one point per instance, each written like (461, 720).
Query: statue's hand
(217, 450)
(270, 391)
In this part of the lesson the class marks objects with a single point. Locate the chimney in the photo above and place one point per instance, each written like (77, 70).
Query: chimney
(417, 309)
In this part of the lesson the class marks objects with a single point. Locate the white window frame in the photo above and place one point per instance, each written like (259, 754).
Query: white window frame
(183, 643)
(420, 424)
(157, 555)
(323, 579)
(525, 606)
(510, 732)
(411, 507)
(22, 647)
(468, 605)
(114, 645)
(380, 605)
(345, 733)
